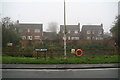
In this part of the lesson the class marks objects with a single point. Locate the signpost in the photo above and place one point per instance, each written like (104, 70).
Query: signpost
(42, 50)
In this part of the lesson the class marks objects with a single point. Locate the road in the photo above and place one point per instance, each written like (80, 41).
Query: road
(60, 73)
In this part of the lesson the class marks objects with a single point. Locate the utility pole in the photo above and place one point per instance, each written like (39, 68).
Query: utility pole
(64, 32)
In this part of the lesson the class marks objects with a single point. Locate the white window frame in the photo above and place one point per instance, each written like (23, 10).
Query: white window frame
(37, 30)
(9, 44)
(74, 38)
(29, 37)
(76, 31)
(68, 37)
(99, 38)
(36, 37)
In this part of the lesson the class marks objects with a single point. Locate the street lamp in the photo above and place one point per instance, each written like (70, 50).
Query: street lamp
(64, 32)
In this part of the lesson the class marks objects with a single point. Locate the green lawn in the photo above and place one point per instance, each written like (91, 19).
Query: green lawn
(77, 60)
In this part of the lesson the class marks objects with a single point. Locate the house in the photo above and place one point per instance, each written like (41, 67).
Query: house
(73, 32)
(30, 33)
(92, 32)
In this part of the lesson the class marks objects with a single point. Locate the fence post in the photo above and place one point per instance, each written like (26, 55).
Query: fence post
(37, 55)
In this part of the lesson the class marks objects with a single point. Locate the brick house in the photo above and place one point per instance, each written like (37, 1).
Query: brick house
(92, 32)
(73, 32)
(30, 33)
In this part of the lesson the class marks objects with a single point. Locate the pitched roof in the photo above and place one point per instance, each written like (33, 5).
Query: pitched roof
(92, 27)
(31, 26)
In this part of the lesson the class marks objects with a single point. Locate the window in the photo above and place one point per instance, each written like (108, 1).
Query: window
(69, 38)
(23, 37)
(76, 31)
(75, 38)
(88, 32)
(30, 37)
(37, 30)
(37, 37)
(88, 38)
(99, 38)
(28, 30)
(9, 44)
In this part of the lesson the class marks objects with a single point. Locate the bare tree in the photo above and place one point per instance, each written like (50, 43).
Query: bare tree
(52, 27)
(6, 22)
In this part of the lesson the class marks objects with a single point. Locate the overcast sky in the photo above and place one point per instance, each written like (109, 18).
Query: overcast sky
(46, 11)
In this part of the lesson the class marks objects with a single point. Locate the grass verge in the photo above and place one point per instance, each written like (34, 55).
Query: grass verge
(77, 60)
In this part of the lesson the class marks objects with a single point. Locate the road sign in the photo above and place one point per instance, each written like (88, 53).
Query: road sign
(41, 50)
(72, 51)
